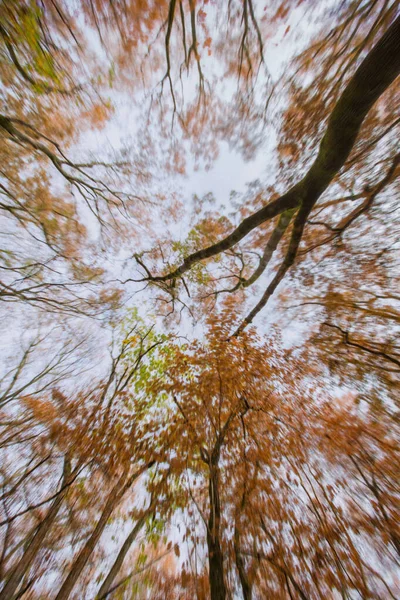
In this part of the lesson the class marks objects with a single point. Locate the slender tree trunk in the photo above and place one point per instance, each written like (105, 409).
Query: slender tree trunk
(34, 546)
(215, 557)
(113, 572)
(244, 579)
(113, 500)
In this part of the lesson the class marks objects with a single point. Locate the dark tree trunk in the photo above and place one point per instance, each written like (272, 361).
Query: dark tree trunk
(215, 557)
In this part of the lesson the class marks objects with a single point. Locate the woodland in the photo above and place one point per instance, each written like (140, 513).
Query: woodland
(199, 299)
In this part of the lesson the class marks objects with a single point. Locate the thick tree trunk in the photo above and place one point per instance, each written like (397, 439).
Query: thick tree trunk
(113, 572)
(215, 556)
(34, 546)
(113, 500)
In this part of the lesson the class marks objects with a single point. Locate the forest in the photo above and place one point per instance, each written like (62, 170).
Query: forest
(199, 299)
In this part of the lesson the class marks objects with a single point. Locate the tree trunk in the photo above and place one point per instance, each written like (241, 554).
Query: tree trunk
(35, 544)
(113, 500)
(215, 557)
(240, 564)
(113, 572)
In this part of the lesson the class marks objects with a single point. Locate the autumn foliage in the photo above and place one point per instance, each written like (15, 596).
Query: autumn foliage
(199, 395)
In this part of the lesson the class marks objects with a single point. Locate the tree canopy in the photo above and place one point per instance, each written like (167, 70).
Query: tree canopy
(199, 299)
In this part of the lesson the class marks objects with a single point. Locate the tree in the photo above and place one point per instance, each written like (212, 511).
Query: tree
(145, 458)
(263, 450)
(99, 452)
(368, 83)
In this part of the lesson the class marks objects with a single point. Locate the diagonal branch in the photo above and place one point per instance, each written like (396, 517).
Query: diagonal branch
(297, 233)
(270, 247)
